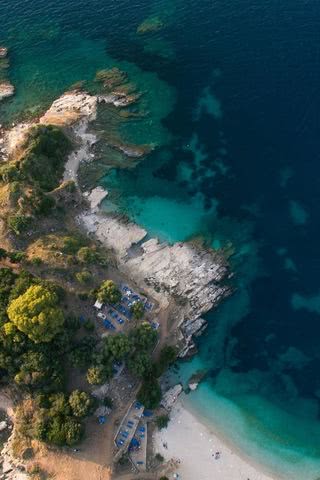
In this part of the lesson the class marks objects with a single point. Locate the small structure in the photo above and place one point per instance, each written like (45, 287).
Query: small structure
(98, 305)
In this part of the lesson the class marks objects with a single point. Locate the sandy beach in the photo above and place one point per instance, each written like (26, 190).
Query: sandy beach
(191, 442)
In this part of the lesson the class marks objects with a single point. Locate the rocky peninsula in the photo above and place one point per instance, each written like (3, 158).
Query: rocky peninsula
(185, 275)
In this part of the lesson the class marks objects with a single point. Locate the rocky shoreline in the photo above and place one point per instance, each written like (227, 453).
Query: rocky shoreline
(6, 88)
(190, 275)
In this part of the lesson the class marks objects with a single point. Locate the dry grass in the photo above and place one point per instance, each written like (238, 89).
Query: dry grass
(49, 250)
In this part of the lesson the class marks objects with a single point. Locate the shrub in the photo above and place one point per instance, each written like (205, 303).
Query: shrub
(84, 276)
(162, 421)
(87, 255)
(16, 257)
(71, 244)
(18, 223)
(159, 457)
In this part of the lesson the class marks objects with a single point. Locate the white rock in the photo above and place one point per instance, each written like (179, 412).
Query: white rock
(70, 108)
(96, 196)
(6, 90)
(3, 425)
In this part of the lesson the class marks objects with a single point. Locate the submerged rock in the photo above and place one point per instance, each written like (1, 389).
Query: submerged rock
(6, 89)
(195, 379)
(111, 78)
(150, 24)
(3, 52)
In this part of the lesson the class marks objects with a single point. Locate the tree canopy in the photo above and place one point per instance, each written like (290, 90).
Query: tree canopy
(137, 310)
(109, 292)
(37, 314)
(80, 403)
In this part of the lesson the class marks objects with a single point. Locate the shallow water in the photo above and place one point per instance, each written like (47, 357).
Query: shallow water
(237, 85)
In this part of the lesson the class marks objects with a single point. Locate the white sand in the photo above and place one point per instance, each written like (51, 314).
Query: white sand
(191, 442)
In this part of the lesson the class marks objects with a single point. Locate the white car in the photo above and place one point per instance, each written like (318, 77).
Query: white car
(102, 315)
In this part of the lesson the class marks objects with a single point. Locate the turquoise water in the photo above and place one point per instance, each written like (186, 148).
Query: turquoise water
(230, 107)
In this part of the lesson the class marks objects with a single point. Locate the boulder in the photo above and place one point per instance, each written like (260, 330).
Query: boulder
(6, 89)
(3, 52)
(70, 108)
(170, 397)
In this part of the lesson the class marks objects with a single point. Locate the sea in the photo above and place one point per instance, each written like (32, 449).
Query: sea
(231, 95)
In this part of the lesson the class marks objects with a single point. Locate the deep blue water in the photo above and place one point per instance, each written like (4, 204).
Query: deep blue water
(241, 166)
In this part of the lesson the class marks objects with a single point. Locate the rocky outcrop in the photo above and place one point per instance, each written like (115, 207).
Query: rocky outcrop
(190, 275)
(95, 197)
(3, 52)
(6, 89)
(70, 108)
(170, 397)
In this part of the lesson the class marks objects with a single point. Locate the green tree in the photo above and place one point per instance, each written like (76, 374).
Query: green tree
(58, 405)
(56, 433)
(144, 337)
(109, 292)
(97, 375)
(35, 369)
(117, 347)
(140, 364)
(150, 393)
(137, 310)
(80, 403)
(37, 314)
(73, 431)
(167, 357)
